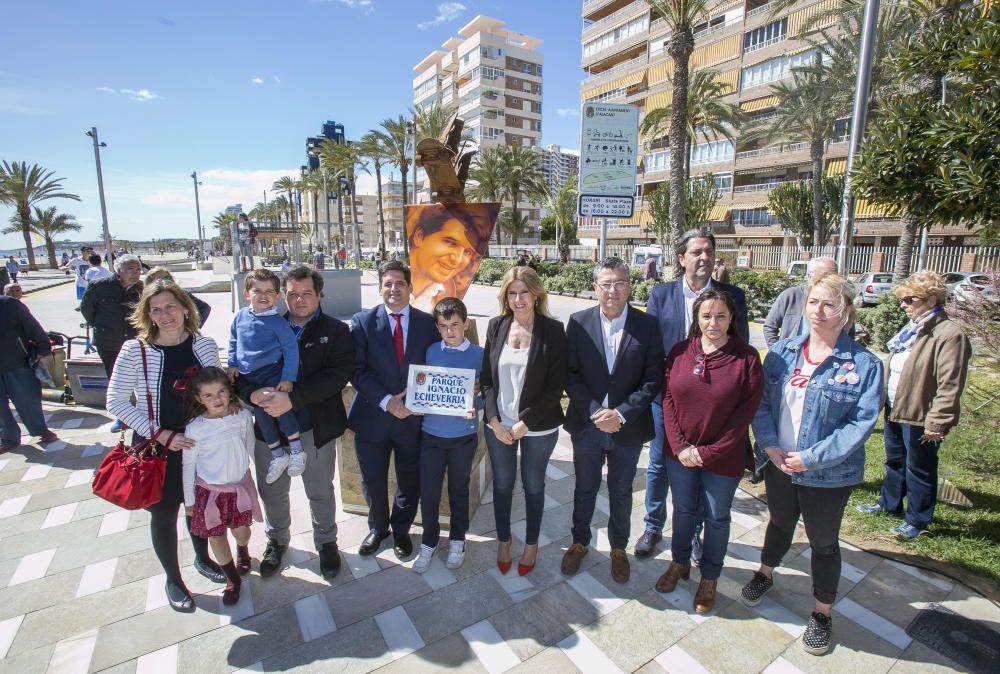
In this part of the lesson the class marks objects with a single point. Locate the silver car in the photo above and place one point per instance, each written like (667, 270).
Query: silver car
(965, 285)
(870, 286)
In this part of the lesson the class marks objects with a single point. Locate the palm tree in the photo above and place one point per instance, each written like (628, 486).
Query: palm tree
(708, 116)
(371, 146)
(46, 224)
(223, 222)
(23, 187)
(395, 138)
(288, 185)
(433, 121)
(561, 205)
(513, 223)
(520, 175)
(346, 160)
(485, 174)
(680, 16)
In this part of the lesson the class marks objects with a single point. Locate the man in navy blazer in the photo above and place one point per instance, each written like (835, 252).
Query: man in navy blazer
(615, 369)
(387, 339)
(671, 303)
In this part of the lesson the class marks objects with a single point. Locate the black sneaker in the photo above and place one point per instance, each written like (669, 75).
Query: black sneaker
(270, 562)
(816, 638)
(329, 560)
(755, 590)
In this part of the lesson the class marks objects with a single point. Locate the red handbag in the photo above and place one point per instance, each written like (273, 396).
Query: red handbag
(132, 477)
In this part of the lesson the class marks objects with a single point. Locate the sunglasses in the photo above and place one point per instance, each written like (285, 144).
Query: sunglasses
(699, 367)
(910, 299)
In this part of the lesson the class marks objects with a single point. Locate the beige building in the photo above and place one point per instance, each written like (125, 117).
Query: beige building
(625, 59)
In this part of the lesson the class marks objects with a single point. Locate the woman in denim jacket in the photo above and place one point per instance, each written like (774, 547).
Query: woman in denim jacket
(822, 396)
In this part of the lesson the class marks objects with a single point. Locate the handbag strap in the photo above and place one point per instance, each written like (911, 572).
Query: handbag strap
(149, 398)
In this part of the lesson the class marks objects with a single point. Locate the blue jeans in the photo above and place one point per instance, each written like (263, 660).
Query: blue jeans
(288, 423)
(590, 448)
(700, 494)
(535, 453)
(22, 388)
(656, 476)
(911, 467)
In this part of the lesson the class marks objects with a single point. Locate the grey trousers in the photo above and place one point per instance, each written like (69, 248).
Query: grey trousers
(318, 481)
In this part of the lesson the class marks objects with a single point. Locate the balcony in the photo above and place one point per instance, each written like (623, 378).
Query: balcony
(771, 149)
(610, 20)
(765, 43)
(623, 45)
(757, 11)
(620, 69)
(760, 187)
(708, 30)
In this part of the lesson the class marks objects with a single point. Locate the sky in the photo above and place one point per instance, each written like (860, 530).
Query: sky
(230, 89)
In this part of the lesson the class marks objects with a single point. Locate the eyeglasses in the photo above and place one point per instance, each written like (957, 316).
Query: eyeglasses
(910, 299)
(617, 285)
(699, 368)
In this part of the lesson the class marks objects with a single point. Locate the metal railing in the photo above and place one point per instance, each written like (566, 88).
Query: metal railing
(610, 19)
(717, 27)
(759, 187)
(765, 43)
(621, 67)
(772, 149)
(756, 11)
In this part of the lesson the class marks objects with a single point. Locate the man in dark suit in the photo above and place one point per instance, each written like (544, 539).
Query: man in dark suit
(387, 339)
(615, 370)
(672, 303)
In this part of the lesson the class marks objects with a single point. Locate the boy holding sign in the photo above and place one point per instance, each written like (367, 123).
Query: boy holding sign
(448, 442)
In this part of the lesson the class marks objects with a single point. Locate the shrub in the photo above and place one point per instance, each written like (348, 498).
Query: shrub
(492, 270)
(880, 322)
(642, 290)
(761, 289)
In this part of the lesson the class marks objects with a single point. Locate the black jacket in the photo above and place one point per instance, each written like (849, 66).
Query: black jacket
(107, 307)
(540, 406)
(17, 328)
(203, 309)
(326, 363)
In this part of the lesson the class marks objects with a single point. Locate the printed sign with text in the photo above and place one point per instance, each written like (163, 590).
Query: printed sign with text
(439, 390)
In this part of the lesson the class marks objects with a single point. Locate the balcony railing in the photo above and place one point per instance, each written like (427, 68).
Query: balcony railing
(771, 149)
(615, 47)
(760, 187)
(620, 68)
(708, 30)
(765, 43)
(610, 19)
(759, 10)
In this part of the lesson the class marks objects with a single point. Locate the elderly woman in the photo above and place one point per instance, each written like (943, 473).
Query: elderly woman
(173, 350)
(928, 364)
(204, 309)
(447, 243)
(822, 395)
(712, 387)
(522, 382)
(107, 305)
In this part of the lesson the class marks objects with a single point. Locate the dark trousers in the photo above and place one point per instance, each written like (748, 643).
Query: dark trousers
(403, 447)
(108, 358)
(591, 448)
(288, 423)
(822, 510)
(911, 472)
(437, 456)
(21, 387)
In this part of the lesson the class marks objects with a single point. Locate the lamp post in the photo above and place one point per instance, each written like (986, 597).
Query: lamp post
(197, 211)
(100, 190)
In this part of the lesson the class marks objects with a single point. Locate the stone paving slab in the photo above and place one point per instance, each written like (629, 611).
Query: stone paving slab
(82, 591)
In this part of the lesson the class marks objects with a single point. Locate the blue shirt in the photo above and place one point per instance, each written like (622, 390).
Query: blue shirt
(259, 340)
(468, 356)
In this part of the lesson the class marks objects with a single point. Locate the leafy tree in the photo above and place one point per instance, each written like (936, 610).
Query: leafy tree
(507, 173)
(23, 187)
(47, 225)
(223, 222)
(513, 223)
(680, 16)
(702, 195)
(934, 161)
(547, 230)
(346, 159)
(371, 146)
(288, 185)
(792, 204)
(561, 205)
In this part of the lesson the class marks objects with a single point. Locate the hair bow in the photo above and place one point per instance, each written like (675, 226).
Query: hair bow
(181, 383)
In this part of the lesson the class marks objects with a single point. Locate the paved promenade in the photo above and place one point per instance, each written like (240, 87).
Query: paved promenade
(81, 590)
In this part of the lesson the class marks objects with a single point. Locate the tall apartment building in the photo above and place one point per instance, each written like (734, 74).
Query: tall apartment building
(558, 166)
(626, 61)
(494, 77)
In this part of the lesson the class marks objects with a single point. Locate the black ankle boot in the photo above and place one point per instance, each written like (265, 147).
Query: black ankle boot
(231, 594)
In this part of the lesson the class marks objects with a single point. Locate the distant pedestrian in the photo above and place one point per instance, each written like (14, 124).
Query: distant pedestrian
(13, 268)
(107, 306)
(342, 257)
(720, 273)
(319, 259)
(96, 272)
(18, 384)
(650, 272)
(79, 264)
(65, 260)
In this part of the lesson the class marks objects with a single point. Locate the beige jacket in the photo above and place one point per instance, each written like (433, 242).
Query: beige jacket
(933, 377)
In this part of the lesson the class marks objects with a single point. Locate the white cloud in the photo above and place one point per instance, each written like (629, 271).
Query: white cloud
(365, 6)
(568, 112)
(139, 95)
(446, 12)
(257, 80)
(276, 79)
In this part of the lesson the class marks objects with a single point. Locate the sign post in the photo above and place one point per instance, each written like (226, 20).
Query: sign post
(609, 146)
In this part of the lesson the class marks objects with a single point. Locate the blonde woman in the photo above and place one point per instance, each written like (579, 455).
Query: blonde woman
(822, 395)
(928, 364)
(169, 339)
(522, 382)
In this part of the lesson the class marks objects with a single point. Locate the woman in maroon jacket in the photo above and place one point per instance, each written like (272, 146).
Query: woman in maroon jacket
(712, 386)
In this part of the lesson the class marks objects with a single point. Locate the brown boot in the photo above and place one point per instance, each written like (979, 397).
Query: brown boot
(704, 598)
(571, 560)
(620, 569)
(668, 581)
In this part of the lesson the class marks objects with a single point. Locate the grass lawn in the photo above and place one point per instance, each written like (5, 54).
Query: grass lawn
(965, 538)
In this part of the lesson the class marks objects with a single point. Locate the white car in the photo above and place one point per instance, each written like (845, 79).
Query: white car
(966, 285)
(870, 286)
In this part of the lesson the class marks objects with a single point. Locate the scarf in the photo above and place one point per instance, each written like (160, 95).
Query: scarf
(904, 339)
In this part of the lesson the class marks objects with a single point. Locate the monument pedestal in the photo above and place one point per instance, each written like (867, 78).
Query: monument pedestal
(352, 497)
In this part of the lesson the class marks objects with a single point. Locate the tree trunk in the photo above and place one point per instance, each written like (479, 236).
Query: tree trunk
(680, 48)
(381, 213)
(50, 248)
(513, 215)
(25, 214)
(357, 225)
(904, 249)
(820, 235)
(406, 243)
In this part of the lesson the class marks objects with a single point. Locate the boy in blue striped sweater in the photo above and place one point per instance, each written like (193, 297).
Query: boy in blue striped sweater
(448, 442)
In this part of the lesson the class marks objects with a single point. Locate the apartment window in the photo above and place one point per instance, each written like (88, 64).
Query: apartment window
(774, 69)
(724, 181)
(491, 132)
(658, 47)
(466, 58)
(609, 95)
(538, 70)
(772, 33)
(657, 161)
(536, 125)
(612, 37)
(753, 217)
(536, 107)
(431, 84)
(489, 113)
(514, 102)
(491, 73)
(705, 153)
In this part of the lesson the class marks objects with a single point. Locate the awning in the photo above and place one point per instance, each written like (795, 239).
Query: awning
(864, 209)
(724, 6)
(772, 169)
(836, 167)
(661, 72)
(717, 52)
(796, 20)
(719, 212)
(642, 218)
(749, 200)
(625, 82)
(659, 100)
(730, 79)
(757, 104)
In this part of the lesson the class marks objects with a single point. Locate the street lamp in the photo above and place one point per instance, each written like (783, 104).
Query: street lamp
(197, 210)
(100, 189)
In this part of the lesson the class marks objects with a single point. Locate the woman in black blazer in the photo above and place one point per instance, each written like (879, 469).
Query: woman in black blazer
(522, 382)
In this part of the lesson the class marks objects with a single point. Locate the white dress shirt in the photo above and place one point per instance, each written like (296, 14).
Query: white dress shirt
(612, 330)
(404, 322)
(689, 297)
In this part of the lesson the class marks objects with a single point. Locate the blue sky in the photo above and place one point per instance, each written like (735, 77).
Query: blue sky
(229, 89)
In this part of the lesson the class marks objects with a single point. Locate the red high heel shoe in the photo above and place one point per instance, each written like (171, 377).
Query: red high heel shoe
(524, 569)
(505, 566)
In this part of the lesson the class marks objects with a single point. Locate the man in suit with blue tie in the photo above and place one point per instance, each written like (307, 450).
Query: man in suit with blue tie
(672, 303)
(387, 339)
(615, 369)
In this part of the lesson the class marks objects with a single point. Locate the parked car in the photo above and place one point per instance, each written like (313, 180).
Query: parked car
(870, 286)
(965, 285)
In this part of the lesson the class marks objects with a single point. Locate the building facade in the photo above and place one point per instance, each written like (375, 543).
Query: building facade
(559, 166)
(625, 58)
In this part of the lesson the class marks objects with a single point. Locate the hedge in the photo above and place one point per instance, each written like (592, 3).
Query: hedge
(761, 289)
(878, 324)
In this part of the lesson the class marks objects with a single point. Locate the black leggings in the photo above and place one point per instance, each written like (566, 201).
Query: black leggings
(163, 525)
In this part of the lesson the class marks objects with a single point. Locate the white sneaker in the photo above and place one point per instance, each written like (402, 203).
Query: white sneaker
(296, 464)
(276, 468)
(423, 560)
(456, 554)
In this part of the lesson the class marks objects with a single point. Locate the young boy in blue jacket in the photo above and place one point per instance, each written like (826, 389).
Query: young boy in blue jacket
(263, 350)
(448, 442)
